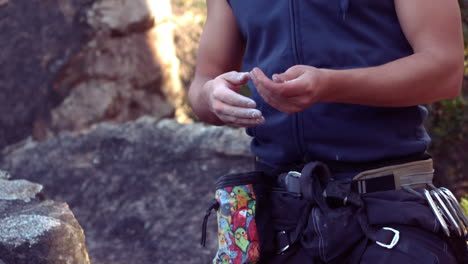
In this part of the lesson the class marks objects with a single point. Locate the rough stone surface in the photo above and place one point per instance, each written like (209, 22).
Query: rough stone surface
(115, 77)
(38, 39)
(34, 230)
(112, 79)
(19, 190)
(21, 229)
(120, 16)
(4, 174)
(69, 64)
(140, 190)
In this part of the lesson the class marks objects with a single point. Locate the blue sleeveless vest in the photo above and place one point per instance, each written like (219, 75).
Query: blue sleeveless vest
(333, 34)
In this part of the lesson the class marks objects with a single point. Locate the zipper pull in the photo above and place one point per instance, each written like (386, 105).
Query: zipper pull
(344, 4)
(214, 205)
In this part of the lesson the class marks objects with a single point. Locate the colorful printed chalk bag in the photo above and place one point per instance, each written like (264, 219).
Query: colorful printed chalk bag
(245, 216)
(237, 197)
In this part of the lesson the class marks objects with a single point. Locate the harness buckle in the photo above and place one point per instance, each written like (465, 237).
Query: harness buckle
(282, 240)
(395, 239)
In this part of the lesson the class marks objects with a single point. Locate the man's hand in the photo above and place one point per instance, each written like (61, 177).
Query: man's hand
(228, 105)
(291, 91)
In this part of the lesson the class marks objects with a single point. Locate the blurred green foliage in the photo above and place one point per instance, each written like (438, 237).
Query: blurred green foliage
(464, 204)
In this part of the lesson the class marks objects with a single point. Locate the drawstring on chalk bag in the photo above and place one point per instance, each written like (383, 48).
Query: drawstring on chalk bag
(214, 205)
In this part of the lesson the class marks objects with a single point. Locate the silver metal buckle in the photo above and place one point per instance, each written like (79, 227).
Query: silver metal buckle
(396, 238)
(283, 249)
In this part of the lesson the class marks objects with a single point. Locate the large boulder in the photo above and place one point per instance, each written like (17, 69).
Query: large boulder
(140, 190)
(38, 39)
(69, 64)
(116, 76)
(34, 230)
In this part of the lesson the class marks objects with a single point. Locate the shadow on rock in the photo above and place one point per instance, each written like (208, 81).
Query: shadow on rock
(140, 190)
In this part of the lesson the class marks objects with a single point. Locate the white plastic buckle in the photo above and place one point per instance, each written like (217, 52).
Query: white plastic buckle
(396, 237)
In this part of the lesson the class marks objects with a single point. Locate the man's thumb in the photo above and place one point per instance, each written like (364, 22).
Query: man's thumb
(237, 78)
(289, 75)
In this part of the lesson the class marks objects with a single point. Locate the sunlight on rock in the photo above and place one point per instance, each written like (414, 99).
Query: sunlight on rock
(20, 229)
(161, 40)
(19, 190)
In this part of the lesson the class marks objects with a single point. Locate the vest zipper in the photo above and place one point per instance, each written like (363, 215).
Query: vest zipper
(297, 124)
(294, 32)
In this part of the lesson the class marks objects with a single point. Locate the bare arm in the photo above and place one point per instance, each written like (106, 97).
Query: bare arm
(434, 72)
(213, 93)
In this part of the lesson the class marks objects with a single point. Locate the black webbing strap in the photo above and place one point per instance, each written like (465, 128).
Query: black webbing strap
(285, 240)
(378, 184)
(339, 166)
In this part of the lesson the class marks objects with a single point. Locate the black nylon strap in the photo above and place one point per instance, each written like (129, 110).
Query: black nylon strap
(338, 166)
(285, 240)
(378, 184)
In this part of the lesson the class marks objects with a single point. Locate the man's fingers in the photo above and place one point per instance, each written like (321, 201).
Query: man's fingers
(221, 108)
(268, 89)
(293, 87)
(262, 82)
(289, 92)
(291, 73)
(280, 87)
(231, 107)
(230, 97)
(236, 78)
(260, 78)
(241, 122)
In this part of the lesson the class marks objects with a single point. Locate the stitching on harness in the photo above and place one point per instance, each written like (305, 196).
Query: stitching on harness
(321, 242)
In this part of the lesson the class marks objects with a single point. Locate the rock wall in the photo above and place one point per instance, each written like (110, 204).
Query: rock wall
(69, 64)
(38, 39)
(140, 190)
(117, 75)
